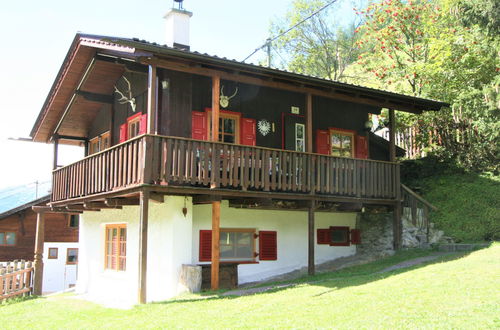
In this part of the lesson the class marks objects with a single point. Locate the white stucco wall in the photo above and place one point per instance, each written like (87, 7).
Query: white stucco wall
(169, 246)
(291, 227)
(57, 275)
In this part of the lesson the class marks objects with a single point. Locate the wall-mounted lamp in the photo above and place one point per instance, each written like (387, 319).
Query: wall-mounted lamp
(184, 209)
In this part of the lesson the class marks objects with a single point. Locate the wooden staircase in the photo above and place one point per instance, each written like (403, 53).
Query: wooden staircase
(416, 209)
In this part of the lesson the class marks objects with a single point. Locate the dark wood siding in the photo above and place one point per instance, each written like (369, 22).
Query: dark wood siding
(56, 230)
(101, 123)
(175, 102)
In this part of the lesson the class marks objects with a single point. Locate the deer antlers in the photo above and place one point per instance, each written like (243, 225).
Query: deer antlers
(224, 99)
(124, 99)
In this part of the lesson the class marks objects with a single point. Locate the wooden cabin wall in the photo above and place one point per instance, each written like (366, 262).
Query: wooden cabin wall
(101, 122)
(139, 83)
(175, 103)
(56, 230)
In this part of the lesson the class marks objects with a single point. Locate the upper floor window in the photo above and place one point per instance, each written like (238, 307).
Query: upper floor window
(99, 143)
(229, 126)
(299, 137)
(72, 256)
(7, 238)
(74, 220)
(134, 124)
(341, 143)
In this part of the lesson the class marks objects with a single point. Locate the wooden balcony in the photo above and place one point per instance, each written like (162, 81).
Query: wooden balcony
(186, 164)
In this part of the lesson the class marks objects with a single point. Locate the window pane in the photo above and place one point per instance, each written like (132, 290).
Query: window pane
(226, 251)
(338, 236)
(229, 126)
(244, 238)
(228, 139)
(52, 253)
(336, 140)
(2, 238)
(72, 256)
(10, 238)
(346, 143)
(74, 221)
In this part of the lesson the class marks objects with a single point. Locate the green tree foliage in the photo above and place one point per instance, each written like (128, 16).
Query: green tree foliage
(321, 46)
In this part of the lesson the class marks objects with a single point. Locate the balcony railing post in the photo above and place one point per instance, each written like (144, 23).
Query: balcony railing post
(147, 159)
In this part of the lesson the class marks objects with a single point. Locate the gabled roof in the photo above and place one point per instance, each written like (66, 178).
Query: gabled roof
(41, 200)
(85, 47)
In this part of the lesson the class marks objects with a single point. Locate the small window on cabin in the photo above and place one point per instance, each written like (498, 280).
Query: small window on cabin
(72, 256)
(116, 247)
(53, 253)
(299, 137)
(8, 238)
(339, 236)
(237, 245)
(74, 220)
(229, 126)
(134, 126)
(99, 143)
(342, 143)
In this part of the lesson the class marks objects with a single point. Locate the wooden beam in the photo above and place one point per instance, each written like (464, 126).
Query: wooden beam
(215, 245)
(310, 238)
(115, 202)
(215, 107)
(95, 97)
(69, 137)
(156, 197)
(254, 78)
(152, 100)
(309, 123)
(143, 246)
(79, 207)
(56, 151)
(205, 199)
(99, 205)
(38, 258)
(392, 136)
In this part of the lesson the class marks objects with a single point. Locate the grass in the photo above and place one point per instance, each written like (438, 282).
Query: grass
(469, 205)
(455, 291)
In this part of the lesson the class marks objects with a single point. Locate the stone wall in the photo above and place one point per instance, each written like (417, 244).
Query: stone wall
(376, 234)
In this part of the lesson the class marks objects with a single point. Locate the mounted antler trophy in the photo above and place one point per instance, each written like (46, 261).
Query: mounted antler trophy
(124, 99)
(224, 100)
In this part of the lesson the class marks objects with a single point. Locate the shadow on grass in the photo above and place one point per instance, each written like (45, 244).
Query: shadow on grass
(347, 277)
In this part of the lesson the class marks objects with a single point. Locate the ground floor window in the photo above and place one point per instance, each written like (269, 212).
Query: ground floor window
(7, 238)
(53, 253)
(237, 244)
(116, 247)
(72, 256)
(338, 236)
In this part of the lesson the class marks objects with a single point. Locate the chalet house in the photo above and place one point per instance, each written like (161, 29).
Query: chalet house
(197, 159)
(17, 242)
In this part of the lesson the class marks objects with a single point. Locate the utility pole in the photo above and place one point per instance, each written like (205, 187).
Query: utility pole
(268, 45)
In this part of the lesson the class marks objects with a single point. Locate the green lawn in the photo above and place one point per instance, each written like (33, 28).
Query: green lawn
(455, 291)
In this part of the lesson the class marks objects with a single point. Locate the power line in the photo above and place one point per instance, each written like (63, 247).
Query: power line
(268, 41)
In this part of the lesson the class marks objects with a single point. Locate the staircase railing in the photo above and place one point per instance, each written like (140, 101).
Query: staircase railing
(416, 209)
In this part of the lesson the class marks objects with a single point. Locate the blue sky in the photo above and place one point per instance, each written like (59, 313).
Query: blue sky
(37, 34)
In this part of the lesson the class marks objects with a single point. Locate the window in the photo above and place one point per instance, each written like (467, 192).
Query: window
(237, 244)
(341, 143)
(8, 238)
(53, 253)
(116, 247)
(229, 126)
(72, 256)
(99, 143)
(299, 137)
(134, 125)
(74, 221)
(338, 236)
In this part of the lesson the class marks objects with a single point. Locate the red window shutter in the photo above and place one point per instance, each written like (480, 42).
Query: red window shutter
(322, 142)
(143, 126)
(355, 236)
(123, 133)
(268, 245)
(199, 125)
(205, 245)
(323, 236)
(361, 147)
(248, 135)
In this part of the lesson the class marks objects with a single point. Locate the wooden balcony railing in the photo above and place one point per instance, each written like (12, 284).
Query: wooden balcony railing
(176, 161)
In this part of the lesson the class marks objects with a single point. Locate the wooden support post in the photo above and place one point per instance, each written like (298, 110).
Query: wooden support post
(152, 100)
(397, 226)
(56, 151)
(392, 135)
(215, 107)
(215, 244)
(309, 124)
(310, 226)
(143, 245)
(39, 240)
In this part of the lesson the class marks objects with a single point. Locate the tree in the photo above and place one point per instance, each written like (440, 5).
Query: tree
(321, 46)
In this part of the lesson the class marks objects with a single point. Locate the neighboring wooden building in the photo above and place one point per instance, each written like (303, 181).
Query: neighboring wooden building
(17, 242)
(199, 159)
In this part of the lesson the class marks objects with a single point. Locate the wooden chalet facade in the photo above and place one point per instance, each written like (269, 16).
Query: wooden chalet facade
(160, 122)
